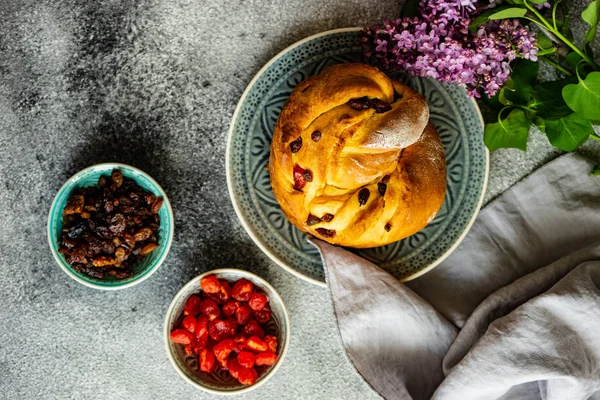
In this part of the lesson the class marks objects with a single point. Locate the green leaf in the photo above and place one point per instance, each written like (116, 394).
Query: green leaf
(591, 15)
(548, 101)
(521, 81)
(410, 9)
(512, 12)
(573, 59)
(569, 132)
(511, 132)
(502, 12)
(538, 1)
(596, 170)
(544, 41)
(584, 97)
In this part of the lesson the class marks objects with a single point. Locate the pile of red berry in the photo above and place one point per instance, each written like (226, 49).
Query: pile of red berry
(224, 328)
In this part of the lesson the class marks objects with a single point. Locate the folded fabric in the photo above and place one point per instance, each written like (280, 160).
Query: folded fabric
(523, 286)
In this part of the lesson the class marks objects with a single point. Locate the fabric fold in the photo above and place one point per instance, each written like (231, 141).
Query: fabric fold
(522, 288)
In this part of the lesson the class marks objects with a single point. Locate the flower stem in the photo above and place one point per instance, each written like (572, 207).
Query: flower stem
(560, 35)
(595, 137)
(557, 66)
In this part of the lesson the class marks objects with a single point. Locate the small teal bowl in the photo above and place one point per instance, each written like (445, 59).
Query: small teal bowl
(89, 177)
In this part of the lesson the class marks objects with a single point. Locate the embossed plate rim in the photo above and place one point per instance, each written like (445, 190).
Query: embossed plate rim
(250, 230)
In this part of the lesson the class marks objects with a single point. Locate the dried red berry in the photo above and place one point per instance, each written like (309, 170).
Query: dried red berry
(230, 307)
(181, 336)
(223, 349)
(271, 342)
(192, 306)
(255, 344)
(252, 328)
(209, 308)
(242, 290)
(257, 301)
(206, 359)
(234, 367)
(210, 284)
(201, 326)
(243, 314)
(264, 315)
(219, 329)
(188, 349)
(266, 358)
(299, 180)
(189, 323)
(246, 359)
(247, 376)
(240, 342)
(200, 342)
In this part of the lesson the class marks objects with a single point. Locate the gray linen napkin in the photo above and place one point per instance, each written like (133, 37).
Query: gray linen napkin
(523, 288)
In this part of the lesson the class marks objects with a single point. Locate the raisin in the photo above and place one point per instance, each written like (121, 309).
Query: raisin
(142, 234)
(387, 227)
(361, 103)
(315, 136)
(120, 273)
(156, 205)
(102, 181)
(312, 220)
(308, 177)
(76, 230)
(327, 217)
(103, 232)
(117, 224)
(363, 196)
(328, 233)
(385, 179)
(296, 145)
(103, 261)
(380, 106)
(147, 249)
(74, 204)
(117, 179)
(381, 187)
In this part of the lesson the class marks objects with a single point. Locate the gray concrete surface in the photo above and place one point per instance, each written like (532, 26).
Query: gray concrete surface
(152, 84)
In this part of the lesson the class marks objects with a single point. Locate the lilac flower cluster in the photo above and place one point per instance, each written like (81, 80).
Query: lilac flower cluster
(438, 44)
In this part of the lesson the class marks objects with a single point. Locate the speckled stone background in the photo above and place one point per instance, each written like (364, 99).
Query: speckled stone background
(152, 84)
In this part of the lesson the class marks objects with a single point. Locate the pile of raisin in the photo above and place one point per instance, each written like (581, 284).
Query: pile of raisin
(224, 327)
(109, 227)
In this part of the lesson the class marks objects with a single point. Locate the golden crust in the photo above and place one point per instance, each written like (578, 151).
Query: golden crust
(358, 150)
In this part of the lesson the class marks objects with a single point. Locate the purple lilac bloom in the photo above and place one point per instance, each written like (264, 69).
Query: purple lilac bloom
(439, 45)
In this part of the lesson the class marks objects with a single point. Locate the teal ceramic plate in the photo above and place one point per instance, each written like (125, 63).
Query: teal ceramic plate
(89, 177)
(455, 116)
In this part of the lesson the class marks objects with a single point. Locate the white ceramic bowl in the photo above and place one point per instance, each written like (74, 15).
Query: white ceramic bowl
(223, 383)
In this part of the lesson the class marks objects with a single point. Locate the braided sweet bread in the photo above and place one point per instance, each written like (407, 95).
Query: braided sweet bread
(354, 160)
